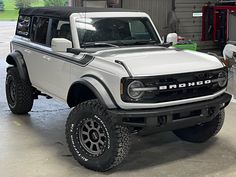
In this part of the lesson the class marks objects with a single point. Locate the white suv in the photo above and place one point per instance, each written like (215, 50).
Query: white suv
(113, 68)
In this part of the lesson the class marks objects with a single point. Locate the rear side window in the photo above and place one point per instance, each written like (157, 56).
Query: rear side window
(39, 30)
(23, 26)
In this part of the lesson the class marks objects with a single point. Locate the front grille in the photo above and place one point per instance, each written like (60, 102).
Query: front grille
(177, 93)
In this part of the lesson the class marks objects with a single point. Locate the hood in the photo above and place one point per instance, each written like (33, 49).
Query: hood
(152, 61)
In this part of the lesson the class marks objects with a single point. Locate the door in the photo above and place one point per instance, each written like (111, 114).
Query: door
(50, 72)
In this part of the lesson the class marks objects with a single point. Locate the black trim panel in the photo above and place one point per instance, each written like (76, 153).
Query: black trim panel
(86, 59)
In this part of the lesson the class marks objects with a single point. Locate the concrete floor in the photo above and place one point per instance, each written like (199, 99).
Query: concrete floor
(34, 145)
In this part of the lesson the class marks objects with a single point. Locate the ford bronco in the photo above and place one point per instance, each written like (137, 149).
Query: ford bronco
(114, 70)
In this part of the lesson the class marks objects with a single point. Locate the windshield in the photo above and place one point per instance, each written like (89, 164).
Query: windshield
(116, 31)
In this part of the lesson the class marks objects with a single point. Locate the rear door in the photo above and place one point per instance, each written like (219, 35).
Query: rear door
(50, 72)
(35, 52)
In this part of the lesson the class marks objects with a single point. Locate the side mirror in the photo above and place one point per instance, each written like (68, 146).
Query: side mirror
(172, 38)
(229, 54)
(60, 44)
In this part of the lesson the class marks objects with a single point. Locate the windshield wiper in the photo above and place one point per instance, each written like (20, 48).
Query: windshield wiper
(139, 42)
(167, 44)
(145, 42)
(97, 44)
(153, 42)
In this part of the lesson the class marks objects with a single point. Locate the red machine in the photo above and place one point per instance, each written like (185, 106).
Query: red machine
(215, 23)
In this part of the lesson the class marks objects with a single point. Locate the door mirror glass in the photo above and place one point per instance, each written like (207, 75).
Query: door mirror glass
(172, 38)
(60, 44)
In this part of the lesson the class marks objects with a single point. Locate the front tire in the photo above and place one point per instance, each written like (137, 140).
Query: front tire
(94, 141)
(203, 132)
(19, 93)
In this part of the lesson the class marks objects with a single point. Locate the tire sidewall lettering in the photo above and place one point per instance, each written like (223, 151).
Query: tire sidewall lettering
(108, 135)
(74, 144)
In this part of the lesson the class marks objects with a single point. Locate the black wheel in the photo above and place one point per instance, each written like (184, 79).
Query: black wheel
(94, 141)
(19, 93)
(202, 132)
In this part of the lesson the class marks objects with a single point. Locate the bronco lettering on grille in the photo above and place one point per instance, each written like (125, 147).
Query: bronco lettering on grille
(184, 85)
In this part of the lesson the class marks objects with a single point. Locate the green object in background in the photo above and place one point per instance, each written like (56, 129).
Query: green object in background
(7, 15)
(1, 5)
(187, 46)
(11, 12)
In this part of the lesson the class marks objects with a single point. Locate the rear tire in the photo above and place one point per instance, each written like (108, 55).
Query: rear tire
(202, 133)
(94, 141)
(19, 93)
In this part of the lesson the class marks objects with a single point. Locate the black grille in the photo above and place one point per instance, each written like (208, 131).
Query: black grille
(177, 93)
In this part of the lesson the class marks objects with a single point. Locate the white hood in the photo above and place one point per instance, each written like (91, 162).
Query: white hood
(152, 61)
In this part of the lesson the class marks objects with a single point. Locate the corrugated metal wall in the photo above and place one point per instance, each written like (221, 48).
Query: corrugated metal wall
(189, 26)
(157, 9)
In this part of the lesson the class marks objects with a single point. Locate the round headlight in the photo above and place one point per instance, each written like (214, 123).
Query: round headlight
(222, 78)
(133, 91)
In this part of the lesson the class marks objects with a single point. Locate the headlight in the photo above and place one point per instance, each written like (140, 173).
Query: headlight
(133, 90)
(222, 78)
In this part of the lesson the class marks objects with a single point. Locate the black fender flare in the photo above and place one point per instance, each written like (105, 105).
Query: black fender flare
(16, 59)
(96, 87)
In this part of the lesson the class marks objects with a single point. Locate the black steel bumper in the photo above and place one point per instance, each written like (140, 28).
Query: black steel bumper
(174, 117)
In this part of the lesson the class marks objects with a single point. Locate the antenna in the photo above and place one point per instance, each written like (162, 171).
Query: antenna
(85, 21)
(85, 11)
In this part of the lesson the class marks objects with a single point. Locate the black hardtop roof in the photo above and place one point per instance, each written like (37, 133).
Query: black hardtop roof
(65, 12)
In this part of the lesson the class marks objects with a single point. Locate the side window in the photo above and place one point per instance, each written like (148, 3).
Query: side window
(138, 30)
(64, 30)
(60, 29)
(23, 26)
(39, 30)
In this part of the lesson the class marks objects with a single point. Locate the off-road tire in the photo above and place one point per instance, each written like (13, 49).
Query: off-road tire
(203, 132)
(117, 137)
(22, 101)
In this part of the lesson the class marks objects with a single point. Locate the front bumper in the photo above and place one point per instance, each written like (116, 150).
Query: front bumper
(174, 117)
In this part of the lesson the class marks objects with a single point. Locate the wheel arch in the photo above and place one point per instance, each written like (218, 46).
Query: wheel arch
(16, 59)
(88, 88)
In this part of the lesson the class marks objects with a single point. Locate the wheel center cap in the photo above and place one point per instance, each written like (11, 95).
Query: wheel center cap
(94, 136)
